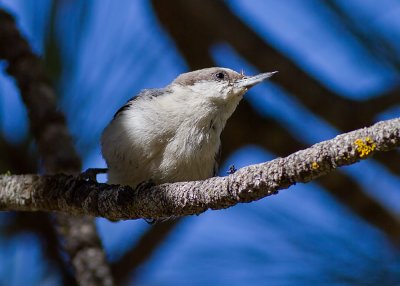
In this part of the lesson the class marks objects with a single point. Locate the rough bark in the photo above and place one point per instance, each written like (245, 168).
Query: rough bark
(339, 184)
(75, 195)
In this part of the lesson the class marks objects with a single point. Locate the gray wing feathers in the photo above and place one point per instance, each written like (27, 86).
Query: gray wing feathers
(144, 94)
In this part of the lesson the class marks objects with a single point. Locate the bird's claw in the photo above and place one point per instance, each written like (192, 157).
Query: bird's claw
(231, 170)
(91, 174)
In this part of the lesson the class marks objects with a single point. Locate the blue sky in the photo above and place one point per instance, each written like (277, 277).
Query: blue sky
(300, 237)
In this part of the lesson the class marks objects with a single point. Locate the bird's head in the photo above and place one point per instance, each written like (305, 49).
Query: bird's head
(219, 85)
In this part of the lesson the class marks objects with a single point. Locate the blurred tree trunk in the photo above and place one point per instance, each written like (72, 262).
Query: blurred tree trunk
(56, 148)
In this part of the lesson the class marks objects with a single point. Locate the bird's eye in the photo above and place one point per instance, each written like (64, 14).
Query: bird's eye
(220, 75)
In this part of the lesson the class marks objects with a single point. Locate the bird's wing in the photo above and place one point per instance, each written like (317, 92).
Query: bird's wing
(144, 94)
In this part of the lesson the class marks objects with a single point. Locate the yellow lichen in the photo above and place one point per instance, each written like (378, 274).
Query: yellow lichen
(364, 147)
(314, 165)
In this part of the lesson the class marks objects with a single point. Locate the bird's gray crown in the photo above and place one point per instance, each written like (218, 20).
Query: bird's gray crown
(208, 74)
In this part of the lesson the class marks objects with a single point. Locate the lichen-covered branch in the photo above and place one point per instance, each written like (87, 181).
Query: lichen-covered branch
(338, 184)
(75, 195)
(311, 93)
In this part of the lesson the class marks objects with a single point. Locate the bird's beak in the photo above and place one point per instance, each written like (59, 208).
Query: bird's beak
(250, 81)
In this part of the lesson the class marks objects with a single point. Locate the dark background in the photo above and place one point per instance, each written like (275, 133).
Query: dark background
(339, 65)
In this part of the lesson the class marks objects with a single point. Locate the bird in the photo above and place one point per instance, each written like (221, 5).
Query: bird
(172, 134)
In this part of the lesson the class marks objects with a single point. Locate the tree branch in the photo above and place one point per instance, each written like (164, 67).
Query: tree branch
(280, 142)
(75, 195)
(55, 145)
(260, 54)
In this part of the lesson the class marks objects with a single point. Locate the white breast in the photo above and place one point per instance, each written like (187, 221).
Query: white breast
(164, 140)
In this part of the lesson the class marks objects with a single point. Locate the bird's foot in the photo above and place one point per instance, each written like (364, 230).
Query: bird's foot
(159, 220)
(91, 174)
(151, 221)
(232, 170)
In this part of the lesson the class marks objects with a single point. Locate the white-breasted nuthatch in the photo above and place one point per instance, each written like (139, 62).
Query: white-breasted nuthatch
(172, 134)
